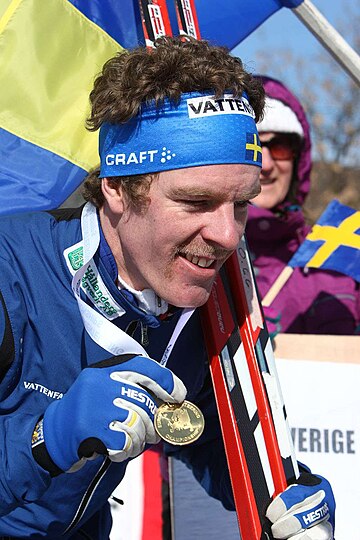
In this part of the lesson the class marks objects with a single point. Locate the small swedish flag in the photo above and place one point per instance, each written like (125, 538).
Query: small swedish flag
(253, 148)
(333, 243)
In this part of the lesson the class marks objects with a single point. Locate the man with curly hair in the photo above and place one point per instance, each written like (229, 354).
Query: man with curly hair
(98, 316)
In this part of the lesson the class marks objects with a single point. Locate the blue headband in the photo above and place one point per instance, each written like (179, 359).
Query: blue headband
(200, 130)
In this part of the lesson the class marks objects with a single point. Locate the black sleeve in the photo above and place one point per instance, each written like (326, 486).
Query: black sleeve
(7, 347)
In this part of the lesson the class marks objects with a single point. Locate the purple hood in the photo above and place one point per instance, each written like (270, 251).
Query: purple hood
(275, 89)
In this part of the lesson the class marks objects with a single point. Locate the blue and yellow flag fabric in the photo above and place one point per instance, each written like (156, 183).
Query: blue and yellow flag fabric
(50, 53)
(333, 243)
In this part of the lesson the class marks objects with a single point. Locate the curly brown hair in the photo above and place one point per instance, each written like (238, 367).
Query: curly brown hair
(171, 68)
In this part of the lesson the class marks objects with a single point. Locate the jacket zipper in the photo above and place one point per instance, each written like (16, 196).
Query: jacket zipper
(85, 501)
(144, 340)
(144, 336)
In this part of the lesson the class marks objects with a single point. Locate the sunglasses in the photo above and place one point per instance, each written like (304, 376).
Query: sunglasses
(282, 147)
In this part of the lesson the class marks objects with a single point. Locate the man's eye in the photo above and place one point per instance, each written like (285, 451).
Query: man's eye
(196, 203)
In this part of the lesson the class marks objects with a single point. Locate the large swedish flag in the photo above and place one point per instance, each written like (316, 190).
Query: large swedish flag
(50, 53)
(333, 243)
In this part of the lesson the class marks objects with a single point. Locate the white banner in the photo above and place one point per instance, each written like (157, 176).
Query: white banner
(323, 403)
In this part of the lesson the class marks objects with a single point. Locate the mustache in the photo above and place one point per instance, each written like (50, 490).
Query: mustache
(203, 250)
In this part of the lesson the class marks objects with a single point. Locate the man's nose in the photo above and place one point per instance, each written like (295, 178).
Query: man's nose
(223, 229)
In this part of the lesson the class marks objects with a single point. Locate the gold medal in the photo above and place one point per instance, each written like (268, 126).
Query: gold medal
(179, 423)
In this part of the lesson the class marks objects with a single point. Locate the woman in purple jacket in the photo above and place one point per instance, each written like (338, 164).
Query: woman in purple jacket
(312, 301)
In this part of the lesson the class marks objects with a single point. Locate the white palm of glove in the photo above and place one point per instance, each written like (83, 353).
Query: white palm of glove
(138, 428)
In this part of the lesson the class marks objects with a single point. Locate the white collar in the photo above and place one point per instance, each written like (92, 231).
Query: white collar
(147, 299)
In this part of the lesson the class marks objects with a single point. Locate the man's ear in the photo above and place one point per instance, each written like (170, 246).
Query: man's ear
(113, 195)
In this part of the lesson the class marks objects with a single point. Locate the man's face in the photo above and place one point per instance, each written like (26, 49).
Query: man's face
(193, 222)
(276, 173)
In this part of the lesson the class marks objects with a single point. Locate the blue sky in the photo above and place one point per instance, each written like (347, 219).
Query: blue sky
(284, 30)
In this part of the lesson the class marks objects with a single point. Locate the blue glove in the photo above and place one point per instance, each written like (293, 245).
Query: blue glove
(109, 411)
(304, 511)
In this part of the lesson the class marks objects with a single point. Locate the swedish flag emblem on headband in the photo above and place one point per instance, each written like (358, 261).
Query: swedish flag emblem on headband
(253, 150)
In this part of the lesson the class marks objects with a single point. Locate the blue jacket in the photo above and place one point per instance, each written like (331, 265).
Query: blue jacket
(44, 348)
